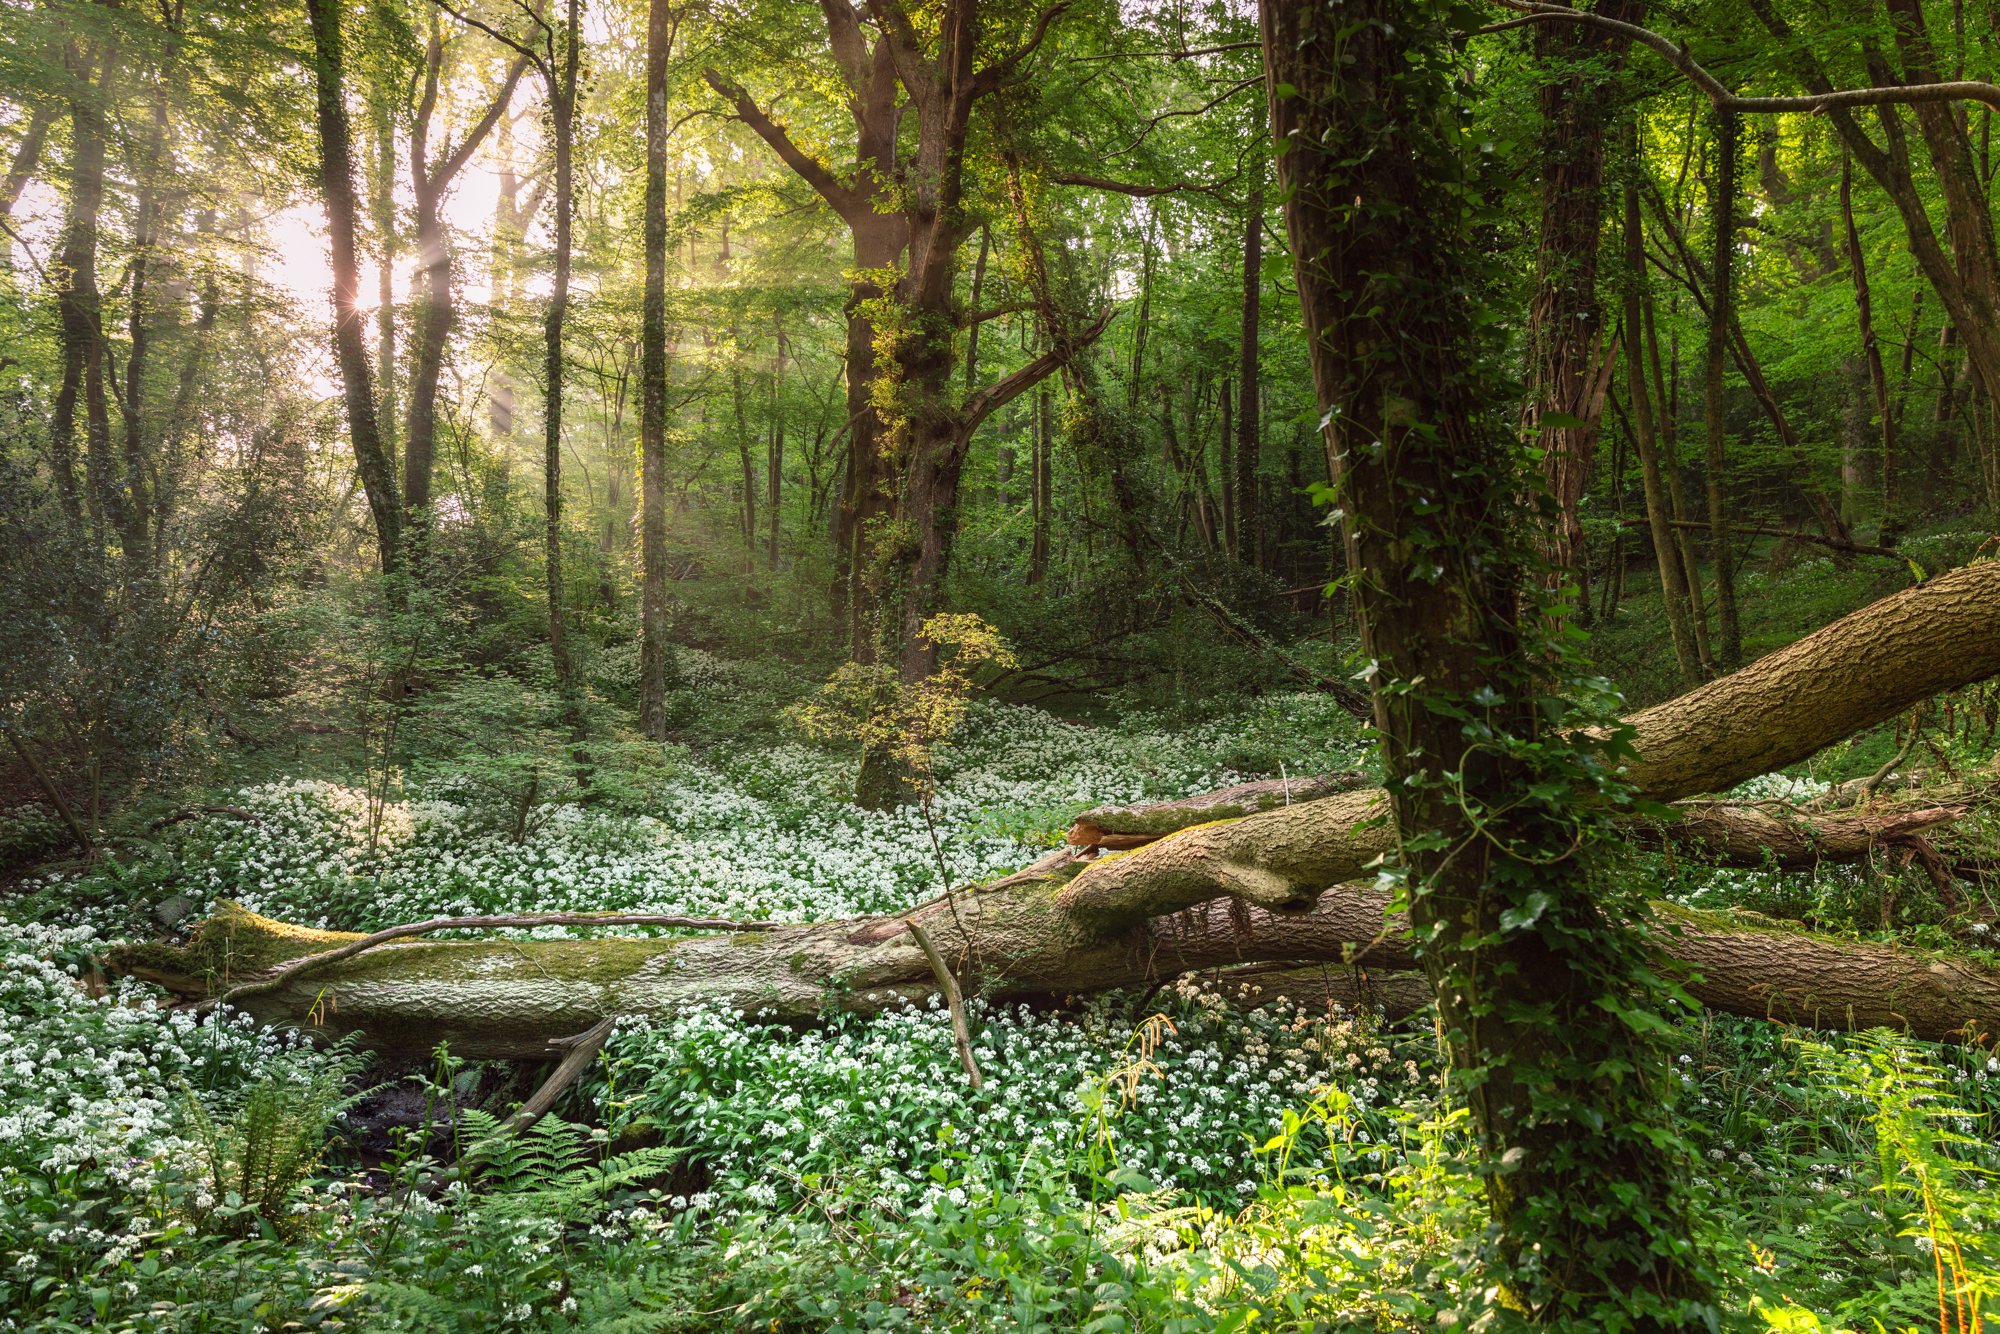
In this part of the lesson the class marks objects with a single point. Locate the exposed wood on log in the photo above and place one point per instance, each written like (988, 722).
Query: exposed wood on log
(1118, 828)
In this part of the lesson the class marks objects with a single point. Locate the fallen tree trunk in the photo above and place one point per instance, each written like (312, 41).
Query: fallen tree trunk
(1276, 885)
(510, 998)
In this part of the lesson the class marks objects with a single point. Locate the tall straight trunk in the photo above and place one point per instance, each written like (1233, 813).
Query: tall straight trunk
(978, 290)
(433, 304)
(1722, 223)
(655, 654)
(1249, 438)
(1878, 378)
(747, 512)
(1040, 491)
(1659, 516)
(1226, 467)
(774, 463)
(565, 53)
(336, 183)
(1142, 326)
(1590, 1207)
(80, 315)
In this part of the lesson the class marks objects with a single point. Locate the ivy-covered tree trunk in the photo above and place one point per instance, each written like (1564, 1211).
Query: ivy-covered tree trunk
(1544, 995)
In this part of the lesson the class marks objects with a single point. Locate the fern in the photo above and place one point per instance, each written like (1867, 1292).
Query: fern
(546, 1170)
(274, 1139)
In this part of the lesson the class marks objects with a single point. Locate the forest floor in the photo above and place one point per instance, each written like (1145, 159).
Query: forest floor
(1171, 1162)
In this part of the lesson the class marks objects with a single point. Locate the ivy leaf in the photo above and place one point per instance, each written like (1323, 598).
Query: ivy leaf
(1527, 914)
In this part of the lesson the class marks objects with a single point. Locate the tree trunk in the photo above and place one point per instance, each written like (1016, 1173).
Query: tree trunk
(774, 463)
(437, 311)
(1590, 1209)
(1670, 460)
(655, 653)
(1569, 360)
(1043, 488)
(1249, 439)
(565, 53)
(1878, 379)
(1659, 519)
(1200, 893)
(27, 156)
(1722, 223)
(80, 313)
(336, 181)
(1225, 467)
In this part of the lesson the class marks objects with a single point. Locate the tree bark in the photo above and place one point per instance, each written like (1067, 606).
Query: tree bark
(1871, 350)
(564, 55)
(1570, 360)
(1249, 436)
(431, 179)
(655, 653)
(1528, 969)
(1659, 519)
(336, 181)
(1722, 223)
(80, 314)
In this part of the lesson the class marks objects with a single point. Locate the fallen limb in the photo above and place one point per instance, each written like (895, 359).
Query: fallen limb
(509, 998)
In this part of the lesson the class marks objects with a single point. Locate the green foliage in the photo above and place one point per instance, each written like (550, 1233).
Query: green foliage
(251, 1165)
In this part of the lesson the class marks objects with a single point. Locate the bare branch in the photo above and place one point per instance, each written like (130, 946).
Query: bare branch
(972, 317)
(1173, 55)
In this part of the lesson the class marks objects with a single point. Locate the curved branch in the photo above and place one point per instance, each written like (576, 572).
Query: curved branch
(1718, 93)
(809, 168)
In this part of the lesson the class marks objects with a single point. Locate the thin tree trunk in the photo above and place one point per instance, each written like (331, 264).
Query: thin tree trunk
(382, 201)
(1225, 461)
(1878, 379)
(566, 52)
(80, 317)
(1722, 221)
(1659, 516)
(774, 470)
(27, 156)
(1246, 531)
(655, 653)
(336, 181)
(1041, 490)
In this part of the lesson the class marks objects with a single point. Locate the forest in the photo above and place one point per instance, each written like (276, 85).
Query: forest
(1147, 666)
